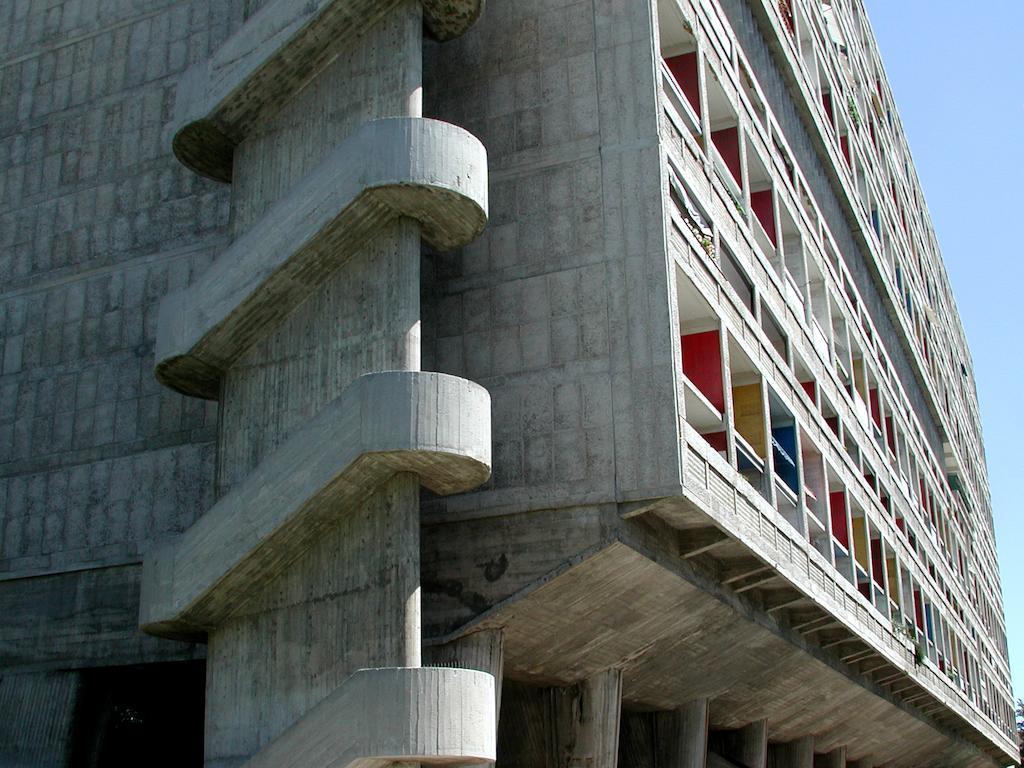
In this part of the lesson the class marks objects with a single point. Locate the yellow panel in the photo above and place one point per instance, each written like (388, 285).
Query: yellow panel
(890, 564)
(748, 416)
(859, 380)
(860, 542)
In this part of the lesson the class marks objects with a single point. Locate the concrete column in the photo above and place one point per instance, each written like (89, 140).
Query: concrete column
(681, 737)
(484, 651)
(598, 728)
(562, 727)
(747, 746)
(352, 602)
(692, 740)
(834, 759)
(792, 754)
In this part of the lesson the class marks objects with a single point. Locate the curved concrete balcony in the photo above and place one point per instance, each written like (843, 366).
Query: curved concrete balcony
(430, 424)
(429, 715)
(427, 170)
(274, 54)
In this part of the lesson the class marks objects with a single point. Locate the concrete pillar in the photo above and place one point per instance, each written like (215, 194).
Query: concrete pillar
(681, 736)
(313, 111)
(353, 601)
(598, 728)
(792, 754)
(747, 746)
(834, 759)
(484, 651)
(562, 727)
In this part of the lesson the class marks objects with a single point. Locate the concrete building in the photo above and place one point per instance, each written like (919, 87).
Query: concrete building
(557, 383)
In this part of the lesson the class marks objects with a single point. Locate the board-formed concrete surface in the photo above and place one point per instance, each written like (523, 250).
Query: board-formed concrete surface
(430, 171)
(275, 54)
(433, 425)
(427, 715)
(638, 600)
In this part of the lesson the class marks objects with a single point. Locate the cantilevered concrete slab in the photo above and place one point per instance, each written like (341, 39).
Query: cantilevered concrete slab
(274, 54)
(430, 715)
(614, 607)
(427, 170)
(433, 425)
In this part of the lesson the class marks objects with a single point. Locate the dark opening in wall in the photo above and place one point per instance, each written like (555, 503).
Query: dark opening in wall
(148, 715)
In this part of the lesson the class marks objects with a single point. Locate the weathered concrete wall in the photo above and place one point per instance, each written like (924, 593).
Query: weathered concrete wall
(267, 667)
(97, 223)
(43, 734)
(561, 308)
(363, 318)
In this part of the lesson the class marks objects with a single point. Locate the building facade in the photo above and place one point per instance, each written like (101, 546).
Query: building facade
(550, 383)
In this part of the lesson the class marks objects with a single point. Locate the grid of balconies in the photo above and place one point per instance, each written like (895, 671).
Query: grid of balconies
(788, 385)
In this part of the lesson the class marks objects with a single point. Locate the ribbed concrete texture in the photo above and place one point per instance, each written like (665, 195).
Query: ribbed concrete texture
(550, 383)
(427, 716)
(307, 568)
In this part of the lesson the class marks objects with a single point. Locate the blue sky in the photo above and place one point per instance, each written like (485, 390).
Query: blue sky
(956, 75)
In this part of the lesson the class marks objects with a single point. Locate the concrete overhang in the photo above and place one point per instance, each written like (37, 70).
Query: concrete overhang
(272, 56)
(447, 717)
(424, 169)
(433, 425)
(678, 635)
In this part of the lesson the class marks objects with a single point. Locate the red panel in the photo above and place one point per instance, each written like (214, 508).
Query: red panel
(761, 202)
(826, 101)
(876, 561)
(810, 387)
(890, 435)
(844, 144)
(918, 610)
(727, 141)
(865, 589)
(837, 502)
(876, 407)
(716, 440)
(702, 364)
(684, 70)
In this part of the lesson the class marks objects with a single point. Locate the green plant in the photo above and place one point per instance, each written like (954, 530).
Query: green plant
(918, 653)
(851, 106)
(739, 205)
(707, 244)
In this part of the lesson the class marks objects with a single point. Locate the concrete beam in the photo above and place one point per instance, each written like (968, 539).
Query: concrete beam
(698, 541)
(430, 424)
(433, 172)
(746, 747)
(426, 715)
(272, 56)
